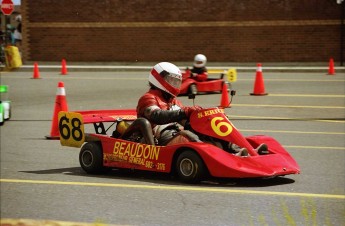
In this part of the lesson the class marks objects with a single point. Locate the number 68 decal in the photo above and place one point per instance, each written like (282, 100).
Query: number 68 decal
(71, 129)
(227, 128)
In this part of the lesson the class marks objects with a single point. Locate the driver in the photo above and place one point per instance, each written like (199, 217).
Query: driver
(167, 114)
(160, 106)
(199, 71)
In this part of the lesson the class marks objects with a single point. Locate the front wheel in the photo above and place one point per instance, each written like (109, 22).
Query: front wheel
(190, 167)
(91, 158)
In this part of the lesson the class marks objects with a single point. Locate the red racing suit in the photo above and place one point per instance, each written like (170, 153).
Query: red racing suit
(163, 112)
(199, 74)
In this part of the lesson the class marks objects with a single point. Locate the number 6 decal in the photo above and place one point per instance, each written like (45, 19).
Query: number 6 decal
(216, 127)
(71, 129)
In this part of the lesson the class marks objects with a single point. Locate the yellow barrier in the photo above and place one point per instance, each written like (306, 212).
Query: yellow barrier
(231, 73)
(13, 58)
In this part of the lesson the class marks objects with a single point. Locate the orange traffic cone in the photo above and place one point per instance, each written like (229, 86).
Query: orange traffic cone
(224, 101)
(60, 105)
(36, 74)
(63, 67)
(331, 70)
(259, 86)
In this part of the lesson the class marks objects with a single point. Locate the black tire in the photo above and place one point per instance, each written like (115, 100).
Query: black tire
(193, 90)
(190, 168)
(91, 158)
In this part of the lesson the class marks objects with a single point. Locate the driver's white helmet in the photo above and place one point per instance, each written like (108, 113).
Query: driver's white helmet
(200, 60)
(166, 77)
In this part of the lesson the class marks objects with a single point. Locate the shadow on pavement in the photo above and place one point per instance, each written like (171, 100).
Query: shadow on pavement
(167, 179)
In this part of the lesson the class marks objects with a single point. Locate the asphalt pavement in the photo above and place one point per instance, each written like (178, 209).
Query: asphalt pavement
(304, 110)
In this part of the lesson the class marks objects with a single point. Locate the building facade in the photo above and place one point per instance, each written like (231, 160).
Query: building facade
(176, 30)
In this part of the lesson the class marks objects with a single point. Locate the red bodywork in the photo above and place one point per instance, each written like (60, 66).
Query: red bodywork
(207, 86)
(121, 153)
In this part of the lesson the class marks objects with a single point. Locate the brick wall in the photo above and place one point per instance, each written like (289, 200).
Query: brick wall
(175, 30)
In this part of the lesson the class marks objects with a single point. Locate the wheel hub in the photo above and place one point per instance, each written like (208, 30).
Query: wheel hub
(87, 158)
(186, 167)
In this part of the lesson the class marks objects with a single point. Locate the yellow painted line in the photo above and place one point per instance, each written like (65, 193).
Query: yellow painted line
(291, 80)
(28, 222)
(287, 106)
(308, 95)
(293, 132)
(314, 147)
(216, 71)
(283, 118)
(177, 188)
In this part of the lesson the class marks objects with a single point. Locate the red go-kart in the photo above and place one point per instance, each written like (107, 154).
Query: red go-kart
(190, 161)
(192, 86)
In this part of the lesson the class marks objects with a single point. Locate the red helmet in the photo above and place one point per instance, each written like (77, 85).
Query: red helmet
(166, 77)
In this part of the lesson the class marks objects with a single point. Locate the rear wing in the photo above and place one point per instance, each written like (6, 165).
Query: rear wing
(97, 116)
(71, 124)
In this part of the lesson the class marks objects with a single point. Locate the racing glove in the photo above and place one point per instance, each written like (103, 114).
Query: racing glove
(161, 117)
(189, 110)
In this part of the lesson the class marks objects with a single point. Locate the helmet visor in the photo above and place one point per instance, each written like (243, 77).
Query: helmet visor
(174, 80)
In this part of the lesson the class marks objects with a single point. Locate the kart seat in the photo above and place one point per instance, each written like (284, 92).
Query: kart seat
(144, 127)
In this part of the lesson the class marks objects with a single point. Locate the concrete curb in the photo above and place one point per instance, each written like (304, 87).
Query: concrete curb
(147, 68)
(211, 66)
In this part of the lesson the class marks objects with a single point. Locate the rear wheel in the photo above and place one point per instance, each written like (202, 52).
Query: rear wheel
(190, 168)
(91, 158)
